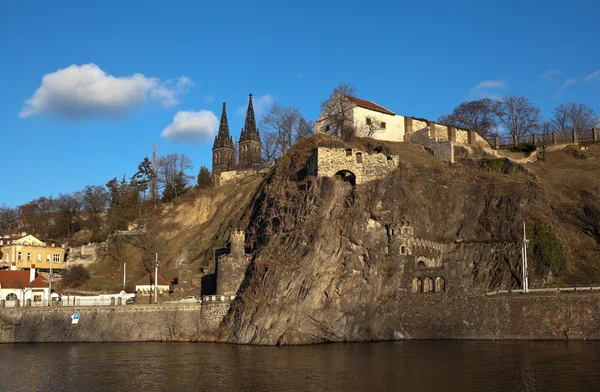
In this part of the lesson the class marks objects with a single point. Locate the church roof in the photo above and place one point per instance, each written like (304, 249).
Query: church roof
(369, 105)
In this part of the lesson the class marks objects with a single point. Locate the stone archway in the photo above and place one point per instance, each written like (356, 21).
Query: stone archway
(347, 176)
(417, 285)
(440, 284)
(427, 285)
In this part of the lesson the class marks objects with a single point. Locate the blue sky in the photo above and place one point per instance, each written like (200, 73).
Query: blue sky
(116, 74)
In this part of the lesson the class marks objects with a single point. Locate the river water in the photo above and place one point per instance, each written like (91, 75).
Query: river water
(387, 366)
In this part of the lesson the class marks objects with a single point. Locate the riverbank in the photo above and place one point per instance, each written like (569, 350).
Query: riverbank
(516, 317)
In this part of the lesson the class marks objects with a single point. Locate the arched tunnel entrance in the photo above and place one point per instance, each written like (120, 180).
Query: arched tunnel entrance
(346, 176)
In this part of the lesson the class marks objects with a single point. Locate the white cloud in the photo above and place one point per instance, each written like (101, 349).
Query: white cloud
(566, 84)
(192, 127)
(82, 91)
(550, 74)
(592, 76)
(486, 89)
(260, 105)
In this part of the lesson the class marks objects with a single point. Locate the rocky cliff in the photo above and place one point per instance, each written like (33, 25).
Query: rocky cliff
(326, 265)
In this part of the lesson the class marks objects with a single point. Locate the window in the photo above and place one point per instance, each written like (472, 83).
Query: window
(403, 250)
(47, 257)
(28, 256)
(37, 298)
(56, 258)
(326, 128)
(19, 256)
(39, 257)
(358, 157)
(383, 125)
(349, 152)
(11, 297)
(369, 121)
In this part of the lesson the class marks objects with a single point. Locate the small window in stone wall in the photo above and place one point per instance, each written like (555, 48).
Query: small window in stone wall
(358, 157)
(326, 128)
(383, 125)
(369, 121)
(349, 152)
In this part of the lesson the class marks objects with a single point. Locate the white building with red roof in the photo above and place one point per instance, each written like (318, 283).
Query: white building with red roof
(146, 284)
(366, 117)
(23, 285)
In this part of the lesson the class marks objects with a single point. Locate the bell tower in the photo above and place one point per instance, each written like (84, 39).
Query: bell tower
(250, 144)
(222, 153)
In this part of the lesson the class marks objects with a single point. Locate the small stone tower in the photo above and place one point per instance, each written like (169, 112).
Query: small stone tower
(231, 268)
(250, 144)
(223, 152)
(400, 238)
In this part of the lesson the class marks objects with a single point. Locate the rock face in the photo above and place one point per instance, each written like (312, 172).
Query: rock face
(332, 262)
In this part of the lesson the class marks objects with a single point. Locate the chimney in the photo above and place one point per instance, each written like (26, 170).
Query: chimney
(32, 273)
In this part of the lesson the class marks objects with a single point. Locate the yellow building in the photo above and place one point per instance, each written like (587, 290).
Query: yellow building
(28, 251)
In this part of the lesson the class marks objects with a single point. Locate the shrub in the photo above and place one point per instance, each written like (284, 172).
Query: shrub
(527, 148)
(546, 249)
(75, 276)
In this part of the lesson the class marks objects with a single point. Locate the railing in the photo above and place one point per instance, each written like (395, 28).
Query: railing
(545, 139)
(587, 289)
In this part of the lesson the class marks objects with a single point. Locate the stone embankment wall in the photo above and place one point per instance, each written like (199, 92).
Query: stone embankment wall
(327, 162)
(112, 323)
(443, 150)
(516, 316)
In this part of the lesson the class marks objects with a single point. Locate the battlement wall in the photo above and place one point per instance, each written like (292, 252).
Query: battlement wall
(365, 167)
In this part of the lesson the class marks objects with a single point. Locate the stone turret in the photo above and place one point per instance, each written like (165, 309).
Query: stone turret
(231, 268)
(223, 152)
(250, 144)
(400, 238)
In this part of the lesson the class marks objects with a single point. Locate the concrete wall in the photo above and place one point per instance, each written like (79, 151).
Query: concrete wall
(131, 323)
(327, 162)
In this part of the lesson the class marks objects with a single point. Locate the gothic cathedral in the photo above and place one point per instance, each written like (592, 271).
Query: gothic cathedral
(249, 145)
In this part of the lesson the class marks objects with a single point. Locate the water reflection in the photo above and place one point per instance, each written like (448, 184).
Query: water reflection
(398, 366)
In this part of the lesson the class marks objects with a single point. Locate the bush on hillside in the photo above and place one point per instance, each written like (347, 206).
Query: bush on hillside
(546, 249)
(75, 276)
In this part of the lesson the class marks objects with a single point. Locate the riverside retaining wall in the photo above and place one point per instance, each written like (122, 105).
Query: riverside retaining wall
(112, 323)
(424, 316)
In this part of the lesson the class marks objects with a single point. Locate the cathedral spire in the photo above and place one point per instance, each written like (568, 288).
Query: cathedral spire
(223, 138)
(249, 132)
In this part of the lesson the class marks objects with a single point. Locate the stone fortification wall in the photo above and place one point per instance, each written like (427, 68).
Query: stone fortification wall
(131, 323)
(443, 150)
(327, 162)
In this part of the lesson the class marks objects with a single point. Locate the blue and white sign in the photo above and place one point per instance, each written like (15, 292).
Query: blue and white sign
(75, 318)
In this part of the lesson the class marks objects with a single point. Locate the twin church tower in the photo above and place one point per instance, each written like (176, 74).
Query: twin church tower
(249, 145)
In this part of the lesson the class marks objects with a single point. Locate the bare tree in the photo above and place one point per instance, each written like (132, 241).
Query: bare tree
(337, 110)
(172, 173)
(519, 115)
(370, 128)
(270, 145)
(8, 219)
(479, 116)
(287, 125)
(573, 116)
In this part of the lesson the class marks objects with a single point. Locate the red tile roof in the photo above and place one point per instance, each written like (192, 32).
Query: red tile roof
(145, 281)
(370, 105)
(20, 279)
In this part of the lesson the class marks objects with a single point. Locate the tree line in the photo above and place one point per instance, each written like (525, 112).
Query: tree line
(516, 115)
(105, 209)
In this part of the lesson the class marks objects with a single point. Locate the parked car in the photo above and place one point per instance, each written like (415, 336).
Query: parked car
(189, 299)
(130, 301)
